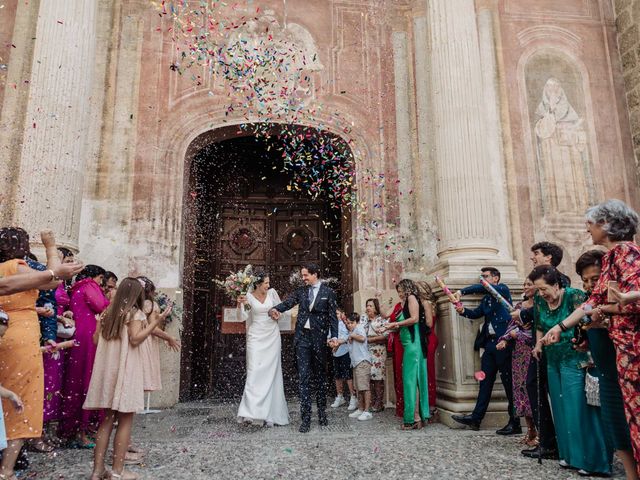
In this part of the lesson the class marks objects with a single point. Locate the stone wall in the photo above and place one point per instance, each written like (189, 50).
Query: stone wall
(628, 25)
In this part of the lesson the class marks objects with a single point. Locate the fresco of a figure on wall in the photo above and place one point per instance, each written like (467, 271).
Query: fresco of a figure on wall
(562, 150)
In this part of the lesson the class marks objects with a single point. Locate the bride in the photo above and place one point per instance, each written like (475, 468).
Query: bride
(263, 400)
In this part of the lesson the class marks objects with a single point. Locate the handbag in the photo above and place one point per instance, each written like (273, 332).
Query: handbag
(592, 389)
(65, 332)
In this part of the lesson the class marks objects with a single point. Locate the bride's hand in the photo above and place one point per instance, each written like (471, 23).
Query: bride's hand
(242, 299)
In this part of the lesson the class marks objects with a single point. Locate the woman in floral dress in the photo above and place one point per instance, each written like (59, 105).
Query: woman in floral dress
(521, 334)
(377, 338)
(613, 225)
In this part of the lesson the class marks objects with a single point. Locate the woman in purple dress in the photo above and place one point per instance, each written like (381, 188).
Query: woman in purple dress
(521, 334)
(87, 301)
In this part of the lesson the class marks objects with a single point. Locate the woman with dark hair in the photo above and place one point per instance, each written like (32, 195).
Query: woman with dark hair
(377, 340)
(613, 224)
(394, 347)
(520, 335)
(263, 401)
(581, 442)
(87, 301)
(21, 369)
(614, 422)
(428, 301)
(413, 335)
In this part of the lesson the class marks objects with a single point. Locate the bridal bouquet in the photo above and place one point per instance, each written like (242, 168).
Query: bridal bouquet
(238, 283)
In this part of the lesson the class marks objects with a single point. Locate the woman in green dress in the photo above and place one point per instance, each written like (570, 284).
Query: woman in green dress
(581, 440)
(614, 422)
(413, 336)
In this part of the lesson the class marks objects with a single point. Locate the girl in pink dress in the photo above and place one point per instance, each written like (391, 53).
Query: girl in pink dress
(117, 379)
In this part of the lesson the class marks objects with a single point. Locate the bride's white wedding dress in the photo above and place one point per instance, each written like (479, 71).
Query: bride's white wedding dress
(263, 398)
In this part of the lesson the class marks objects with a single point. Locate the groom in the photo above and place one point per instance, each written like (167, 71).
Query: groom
(317, 306)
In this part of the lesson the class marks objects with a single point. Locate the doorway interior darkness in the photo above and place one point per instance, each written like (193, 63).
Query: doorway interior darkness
(240, 209)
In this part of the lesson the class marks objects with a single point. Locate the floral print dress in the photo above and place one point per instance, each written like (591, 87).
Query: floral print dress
(622, 264)
(520, 359)
(378, 351)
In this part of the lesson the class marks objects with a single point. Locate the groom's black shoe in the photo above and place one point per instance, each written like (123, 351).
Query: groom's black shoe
(322, 419)
(510, 429)
(467, 420)
(305, 427)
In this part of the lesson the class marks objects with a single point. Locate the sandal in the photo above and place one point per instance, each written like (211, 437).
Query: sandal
(134, 449)
(40, 446)
(132, 458)
(125, 475)
(78, 445)
(411, 426)
(10, 477)
(99, 476)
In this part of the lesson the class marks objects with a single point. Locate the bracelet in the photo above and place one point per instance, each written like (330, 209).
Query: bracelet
(53, 276)
(562, 327)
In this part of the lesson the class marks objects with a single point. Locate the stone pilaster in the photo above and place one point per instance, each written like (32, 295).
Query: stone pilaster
(403, 129)
(54, 144)
(469, 182)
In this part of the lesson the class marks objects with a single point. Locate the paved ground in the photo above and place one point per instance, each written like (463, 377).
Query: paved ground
(202, 441)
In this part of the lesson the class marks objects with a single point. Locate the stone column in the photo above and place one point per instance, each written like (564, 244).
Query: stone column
(468, 195)
(54, 150)
(470, 187)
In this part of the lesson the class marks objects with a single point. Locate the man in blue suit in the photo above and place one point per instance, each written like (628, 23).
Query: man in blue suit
(496, 320)
(317, 305)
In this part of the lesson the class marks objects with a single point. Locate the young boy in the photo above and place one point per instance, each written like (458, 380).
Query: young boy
(361, 364)
(342, 366)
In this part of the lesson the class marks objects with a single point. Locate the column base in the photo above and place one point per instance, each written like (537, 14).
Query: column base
(456, 361)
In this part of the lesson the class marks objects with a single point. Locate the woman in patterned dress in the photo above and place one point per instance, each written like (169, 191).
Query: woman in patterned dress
(521, 334)
(377, 338)
(613, 225)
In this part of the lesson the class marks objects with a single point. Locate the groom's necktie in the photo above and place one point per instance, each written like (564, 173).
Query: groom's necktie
(307, 324)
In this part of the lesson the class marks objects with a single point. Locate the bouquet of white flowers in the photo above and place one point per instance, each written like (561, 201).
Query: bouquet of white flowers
(238, 283)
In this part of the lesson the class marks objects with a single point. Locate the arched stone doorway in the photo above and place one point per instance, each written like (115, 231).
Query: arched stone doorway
(240, 208)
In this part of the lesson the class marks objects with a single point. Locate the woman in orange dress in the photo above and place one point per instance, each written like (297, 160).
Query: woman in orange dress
(21, 367)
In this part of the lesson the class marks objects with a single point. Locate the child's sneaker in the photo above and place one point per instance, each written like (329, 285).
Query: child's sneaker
(365, 416)
(338, 402)
(353, 403)
(355, 414)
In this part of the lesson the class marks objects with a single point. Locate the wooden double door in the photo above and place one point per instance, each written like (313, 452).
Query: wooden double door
(276, 234)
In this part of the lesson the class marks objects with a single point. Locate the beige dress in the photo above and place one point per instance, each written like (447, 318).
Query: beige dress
(151, 355)
(116, 381)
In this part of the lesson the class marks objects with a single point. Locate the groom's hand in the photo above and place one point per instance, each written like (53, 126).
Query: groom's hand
(274, 314)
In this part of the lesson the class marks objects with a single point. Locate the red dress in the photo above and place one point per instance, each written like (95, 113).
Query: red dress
(622, 264)
(395, 347)
(432, 346)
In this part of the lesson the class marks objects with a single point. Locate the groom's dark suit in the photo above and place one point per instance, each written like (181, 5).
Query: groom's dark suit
(311, 343)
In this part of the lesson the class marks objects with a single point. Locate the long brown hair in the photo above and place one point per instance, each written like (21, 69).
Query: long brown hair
(425, 292)
(129, 296)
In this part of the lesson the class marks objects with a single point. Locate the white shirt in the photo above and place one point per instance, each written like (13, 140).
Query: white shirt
(359, 351)
(314, 292)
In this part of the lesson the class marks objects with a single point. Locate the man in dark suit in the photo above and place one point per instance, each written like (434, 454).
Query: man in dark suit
(317, 304)
(496, 320)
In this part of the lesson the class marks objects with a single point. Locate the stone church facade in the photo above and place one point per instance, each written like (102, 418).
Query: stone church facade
(496, 124)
